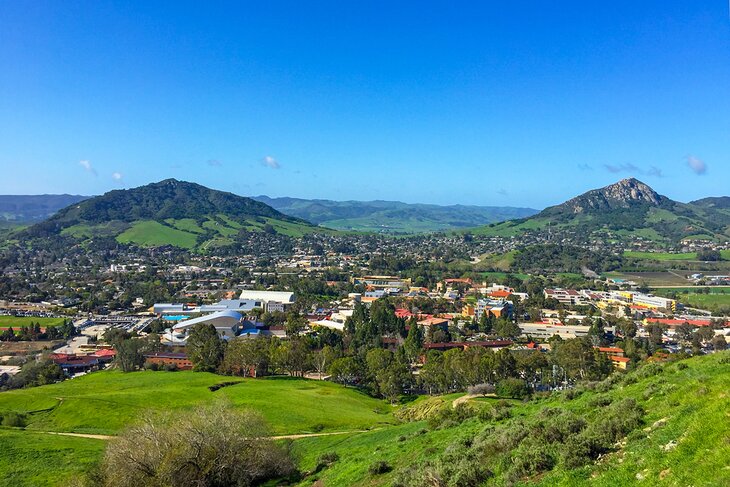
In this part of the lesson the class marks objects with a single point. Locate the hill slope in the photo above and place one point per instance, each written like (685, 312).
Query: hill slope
(628, 208)
(169, 212)
(34, 208)
(392, 216)
(674, 430)
(679, 435)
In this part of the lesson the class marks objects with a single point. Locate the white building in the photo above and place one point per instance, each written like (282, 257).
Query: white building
(271, 300)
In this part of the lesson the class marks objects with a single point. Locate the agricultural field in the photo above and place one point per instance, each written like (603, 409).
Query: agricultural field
(661, 256)
(18, 321)
(652, 279)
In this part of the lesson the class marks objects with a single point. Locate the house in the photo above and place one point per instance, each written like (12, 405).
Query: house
(495, 307)
(179, 360)
(619, 362)
(432, 322)
(74, 364)
(443, 346)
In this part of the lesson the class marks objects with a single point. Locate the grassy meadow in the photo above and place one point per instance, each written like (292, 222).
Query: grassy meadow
(684, 438)
(104, 402)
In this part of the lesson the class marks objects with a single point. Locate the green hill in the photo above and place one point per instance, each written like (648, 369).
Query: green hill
(675, 419)
(663, 424)
(392, 216)
(628, 208)
(170, 212)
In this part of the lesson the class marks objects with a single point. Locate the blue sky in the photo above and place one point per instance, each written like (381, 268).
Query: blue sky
(497, 103)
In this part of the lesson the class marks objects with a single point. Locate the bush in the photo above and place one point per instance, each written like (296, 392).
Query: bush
(514, 388)
(325, 460)
(600, 402)
(13, 420)
(210, 446)
(379, 467)
(151, 366)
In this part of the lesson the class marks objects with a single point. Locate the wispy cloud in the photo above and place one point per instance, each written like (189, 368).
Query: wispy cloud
(616, 168)
(88, 167)
(502, 191)
(117, 176)
(585, 167)
(214, 162)
(269, 161)
(697, 165)
(652, 171)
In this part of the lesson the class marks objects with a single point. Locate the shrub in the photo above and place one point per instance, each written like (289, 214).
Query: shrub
(600, 402)
(683, 366)
(151, 366)
(14, 420)
(514, 388)
(325, 460)
(379, 467)
(202, 448)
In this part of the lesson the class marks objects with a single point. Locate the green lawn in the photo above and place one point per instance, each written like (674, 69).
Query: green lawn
(152, 233)
(105, 402)
(18, 321)
(663, 256)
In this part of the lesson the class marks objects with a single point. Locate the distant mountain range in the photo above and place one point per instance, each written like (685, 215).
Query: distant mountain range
(392, 216)
(21, 209)
(189, 215)
(169, 212)
(627, 208)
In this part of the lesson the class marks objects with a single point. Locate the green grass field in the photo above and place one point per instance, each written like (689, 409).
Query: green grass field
(18, 321)
(687, 405)
(717, 300)
(104, 402)
(35, 459)
(151, 233)
(661, 256)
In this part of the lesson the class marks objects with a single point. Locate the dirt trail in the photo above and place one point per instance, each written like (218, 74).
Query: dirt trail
(80, 435)
(282, 437)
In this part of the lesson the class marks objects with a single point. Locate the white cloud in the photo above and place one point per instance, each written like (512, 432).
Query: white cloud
(697, 165)
(214, 162)
(117, 176)
(87, 166)
(269, 161)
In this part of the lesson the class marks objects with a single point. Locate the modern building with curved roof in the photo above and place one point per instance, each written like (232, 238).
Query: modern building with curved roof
(226, 323)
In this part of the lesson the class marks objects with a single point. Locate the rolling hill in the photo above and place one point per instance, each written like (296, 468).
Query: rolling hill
(662, 424)
(169, 212)
(20, 209)
(392, 216)
(628, 208)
